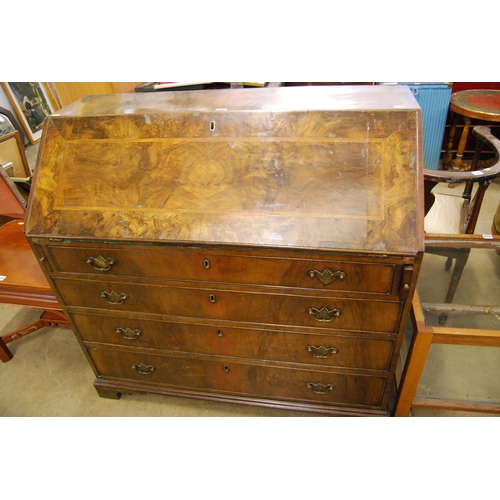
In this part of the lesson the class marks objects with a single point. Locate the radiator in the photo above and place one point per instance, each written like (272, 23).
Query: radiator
(434, 99)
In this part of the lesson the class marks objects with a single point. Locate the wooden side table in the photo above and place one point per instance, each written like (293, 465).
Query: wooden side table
(481, 104)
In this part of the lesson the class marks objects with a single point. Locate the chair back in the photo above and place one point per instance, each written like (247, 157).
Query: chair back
(12, 203)
(476, 176)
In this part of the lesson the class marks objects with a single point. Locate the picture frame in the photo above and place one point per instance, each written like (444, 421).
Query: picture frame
(32, 102)
(12, 154)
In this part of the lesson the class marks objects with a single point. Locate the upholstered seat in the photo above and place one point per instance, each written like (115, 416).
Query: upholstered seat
(446, 215)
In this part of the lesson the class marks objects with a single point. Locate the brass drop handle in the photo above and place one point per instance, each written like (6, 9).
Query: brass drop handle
(115, 298)
(100, 263)
(320, 388)
(322, 351)
(327, 276)
(129, 333)
(143, 369)
(324, 314)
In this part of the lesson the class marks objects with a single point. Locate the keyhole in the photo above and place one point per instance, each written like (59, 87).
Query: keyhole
(219, 333)
(212, 298)
(226, 368)
(206, 264)
(212, 126)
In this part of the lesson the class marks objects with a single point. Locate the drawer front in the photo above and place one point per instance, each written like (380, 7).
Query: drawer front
(199, 265)
(265, 308)
(239, 378)
(321, 350)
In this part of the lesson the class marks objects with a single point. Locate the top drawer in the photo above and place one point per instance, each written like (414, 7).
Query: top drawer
(209, 265)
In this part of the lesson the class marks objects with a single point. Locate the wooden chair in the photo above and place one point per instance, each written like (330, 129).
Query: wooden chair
(13, 160)
(22, 281)
(425, 335)
(457, 246)
(456, 213)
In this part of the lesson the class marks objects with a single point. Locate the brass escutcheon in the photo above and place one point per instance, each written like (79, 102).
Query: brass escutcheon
(212, 298)
(114, 298)
(320, 388)
(324, 314)
(327, 276)
(128, 333)
(206, 264)
(322, 351)
(100, 263)
(143, 369)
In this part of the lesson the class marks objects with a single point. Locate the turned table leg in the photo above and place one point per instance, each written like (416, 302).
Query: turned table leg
(449, 146)
(458, 165)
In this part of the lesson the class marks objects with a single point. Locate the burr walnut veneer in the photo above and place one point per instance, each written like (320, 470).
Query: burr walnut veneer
(255, 246)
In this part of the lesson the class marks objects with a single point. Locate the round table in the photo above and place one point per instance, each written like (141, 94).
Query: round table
(471, 104)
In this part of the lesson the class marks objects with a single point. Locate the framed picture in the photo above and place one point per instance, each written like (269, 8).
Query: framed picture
(32, 102)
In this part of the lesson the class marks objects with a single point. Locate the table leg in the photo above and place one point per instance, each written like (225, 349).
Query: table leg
(449, 146)
(5, 353)
(458, 165)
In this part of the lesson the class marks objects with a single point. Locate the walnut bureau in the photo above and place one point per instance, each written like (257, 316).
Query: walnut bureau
(256, 246)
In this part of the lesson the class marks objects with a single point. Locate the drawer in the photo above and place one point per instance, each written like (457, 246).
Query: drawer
(264, 308)
(207, 265)
(211, 374)
(321, 350)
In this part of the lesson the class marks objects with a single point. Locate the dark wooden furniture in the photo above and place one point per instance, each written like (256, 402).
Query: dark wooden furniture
(456, 212)
(255, 246)
(22, 281)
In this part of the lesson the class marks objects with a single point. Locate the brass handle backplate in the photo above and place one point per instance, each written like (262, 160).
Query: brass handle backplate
(129, 333)
(114, 298)
(322, 351)
(143, 369)
(324, 314)
(327, 276)
(320, 388)
(100, 263)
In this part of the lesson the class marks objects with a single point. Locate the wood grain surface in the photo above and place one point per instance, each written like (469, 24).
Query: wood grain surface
(313, 168)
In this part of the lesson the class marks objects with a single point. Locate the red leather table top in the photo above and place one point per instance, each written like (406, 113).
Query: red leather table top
(483, 104)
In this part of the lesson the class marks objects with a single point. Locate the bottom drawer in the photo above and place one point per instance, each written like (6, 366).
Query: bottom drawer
(216, 374)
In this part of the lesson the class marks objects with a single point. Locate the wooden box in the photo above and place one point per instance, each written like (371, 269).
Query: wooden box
(255, 246)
